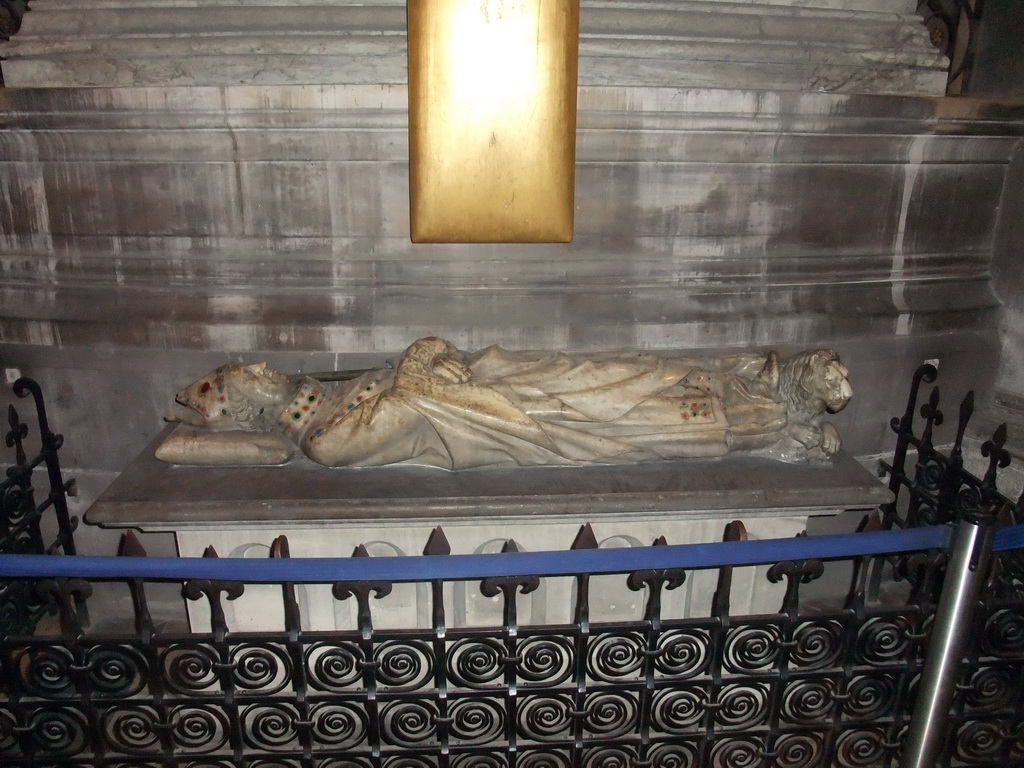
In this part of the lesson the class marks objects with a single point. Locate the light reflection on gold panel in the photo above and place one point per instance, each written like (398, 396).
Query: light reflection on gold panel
(492, 119)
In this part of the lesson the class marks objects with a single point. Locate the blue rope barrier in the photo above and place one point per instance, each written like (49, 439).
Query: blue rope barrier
(466, 567)
(1011, 537)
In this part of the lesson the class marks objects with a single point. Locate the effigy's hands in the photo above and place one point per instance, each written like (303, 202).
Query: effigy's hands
(450, 369)
(430, 363)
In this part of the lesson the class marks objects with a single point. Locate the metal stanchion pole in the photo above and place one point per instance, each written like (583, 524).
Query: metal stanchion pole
(965, 575)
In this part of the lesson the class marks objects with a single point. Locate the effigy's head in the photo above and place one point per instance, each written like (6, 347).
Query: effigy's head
(238, 396)
(817, 375)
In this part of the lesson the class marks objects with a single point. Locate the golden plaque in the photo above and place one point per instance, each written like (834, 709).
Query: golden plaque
(492, 119)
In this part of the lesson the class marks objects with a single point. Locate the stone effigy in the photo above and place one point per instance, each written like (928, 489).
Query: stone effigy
(446, 408)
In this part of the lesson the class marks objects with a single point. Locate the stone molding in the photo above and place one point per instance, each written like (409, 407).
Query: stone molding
(843, 46)
(281, 213)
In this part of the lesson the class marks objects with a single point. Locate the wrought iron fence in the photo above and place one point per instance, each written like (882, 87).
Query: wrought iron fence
(22, 515)
(911, 657)
(931, 487)
(787, 688)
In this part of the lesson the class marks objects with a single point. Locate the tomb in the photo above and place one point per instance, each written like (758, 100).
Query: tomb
(748, 176)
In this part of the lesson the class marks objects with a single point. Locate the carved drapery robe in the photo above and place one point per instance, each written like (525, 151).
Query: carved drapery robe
(551, 409)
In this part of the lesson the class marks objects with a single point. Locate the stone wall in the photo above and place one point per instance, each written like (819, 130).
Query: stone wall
(158, 217)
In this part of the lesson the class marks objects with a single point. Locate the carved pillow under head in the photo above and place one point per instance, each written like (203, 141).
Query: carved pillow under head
(238, 396)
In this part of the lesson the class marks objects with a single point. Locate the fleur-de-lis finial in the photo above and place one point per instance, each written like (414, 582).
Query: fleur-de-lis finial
(998, 457)
(15, 435)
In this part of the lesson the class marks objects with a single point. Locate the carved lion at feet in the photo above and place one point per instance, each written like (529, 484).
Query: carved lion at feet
(811, 384)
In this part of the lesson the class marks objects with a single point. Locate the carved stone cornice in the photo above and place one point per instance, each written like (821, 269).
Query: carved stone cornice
(839, 46)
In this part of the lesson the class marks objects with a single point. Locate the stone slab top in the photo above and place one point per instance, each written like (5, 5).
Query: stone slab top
(153, 495)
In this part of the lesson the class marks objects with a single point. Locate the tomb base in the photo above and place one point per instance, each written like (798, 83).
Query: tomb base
(392, 510)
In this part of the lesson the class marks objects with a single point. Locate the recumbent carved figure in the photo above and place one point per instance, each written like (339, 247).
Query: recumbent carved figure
(446, 408)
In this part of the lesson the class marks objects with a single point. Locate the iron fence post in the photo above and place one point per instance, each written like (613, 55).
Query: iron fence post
(970, 554)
